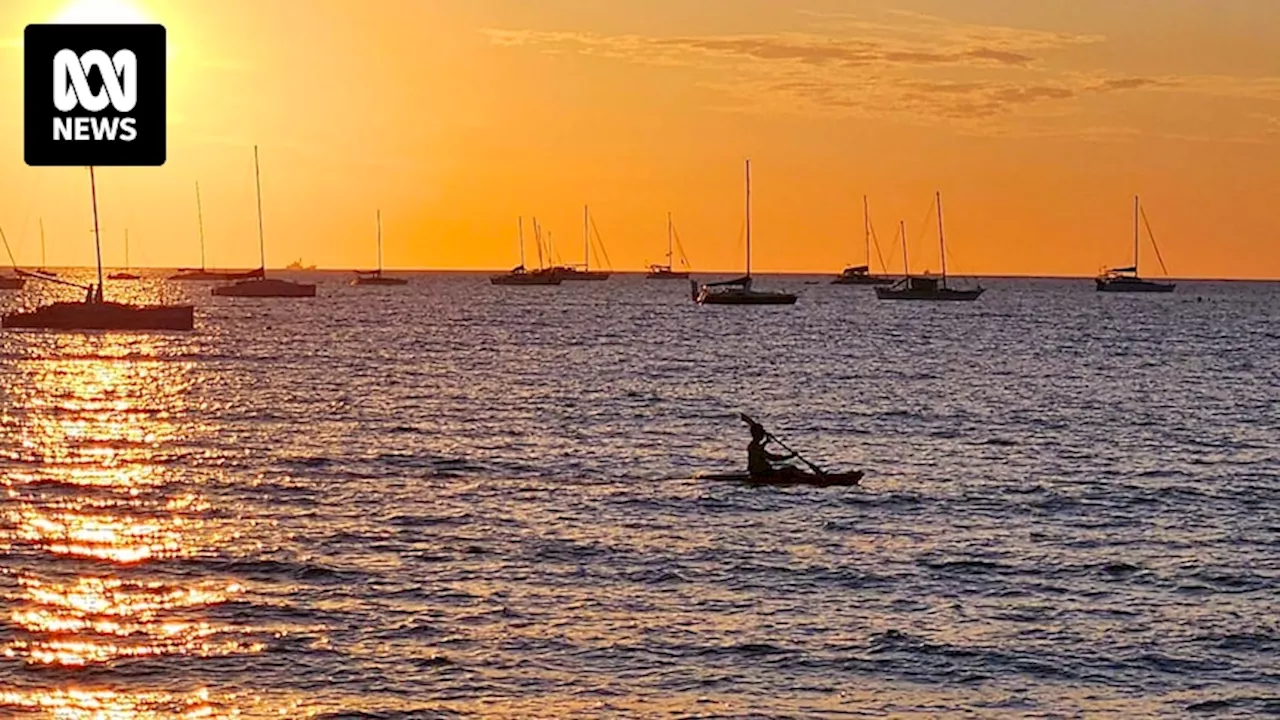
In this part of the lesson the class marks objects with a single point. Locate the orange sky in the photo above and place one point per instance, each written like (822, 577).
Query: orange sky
(1038, 121)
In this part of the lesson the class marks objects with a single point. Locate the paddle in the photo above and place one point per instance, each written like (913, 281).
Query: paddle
(748, 420)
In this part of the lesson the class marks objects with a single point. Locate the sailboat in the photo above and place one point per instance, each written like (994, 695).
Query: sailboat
(861, 274)
(927, 288)
(125, 274)
(668, 271)
(261, 285)
(203, 275)
(738, 291)
(1127, 279)
(42, 270)
(521, 276)
(572, 272)
(375, 277)
(95, 313)
(11, 282)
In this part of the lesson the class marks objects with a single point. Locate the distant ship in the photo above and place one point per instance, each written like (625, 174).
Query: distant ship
(861, 274)
(261, 286)
(668, 271)
(202, 274)
(1126, 279)
(583, 273)
(521, 276)
(297, 265)
(96, 313)
(925, 287)
(739, 290)
(375, 277)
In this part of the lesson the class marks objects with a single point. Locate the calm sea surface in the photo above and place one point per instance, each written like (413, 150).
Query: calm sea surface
(458, 500)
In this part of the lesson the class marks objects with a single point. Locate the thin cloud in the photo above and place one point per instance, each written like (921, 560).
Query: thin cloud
(907, 66)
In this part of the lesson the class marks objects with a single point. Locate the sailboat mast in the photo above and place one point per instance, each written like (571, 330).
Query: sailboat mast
(378, 215)
(126, 248)
(1136, 208)
(42, 265)
(520, 238)
(257, 179)
(748, 217)
(670, 246)
(866, 228)
(942, 242)
(586, 239)
(200, 222)
(97, 241)
(902, 231)
(537, 237)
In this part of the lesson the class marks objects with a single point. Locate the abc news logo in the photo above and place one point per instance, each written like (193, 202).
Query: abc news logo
(94, 95)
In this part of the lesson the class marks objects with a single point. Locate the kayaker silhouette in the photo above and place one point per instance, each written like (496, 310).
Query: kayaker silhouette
(761, 462)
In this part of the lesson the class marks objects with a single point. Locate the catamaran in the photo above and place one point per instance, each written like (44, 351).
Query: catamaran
(260, 285)
(521, 276)
(203, 275)
(926, 287)
(573, 272)
(125, 274)
(738, 291)
(861, 274)
(94, 312)
(1127, 279)
(375, 277)
(668, 271)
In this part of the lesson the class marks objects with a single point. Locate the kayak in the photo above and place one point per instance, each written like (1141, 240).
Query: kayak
(790, 478)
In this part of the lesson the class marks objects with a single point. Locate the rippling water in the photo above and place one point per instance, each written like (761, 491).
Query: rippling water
(457, 500)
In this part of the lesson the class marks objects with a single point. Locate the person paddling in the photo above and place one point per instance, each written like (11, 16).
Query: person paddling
(760, 462)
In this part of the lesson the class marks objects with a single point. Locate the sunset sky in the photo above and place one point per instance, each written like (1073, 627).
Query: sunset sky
(1037, 120)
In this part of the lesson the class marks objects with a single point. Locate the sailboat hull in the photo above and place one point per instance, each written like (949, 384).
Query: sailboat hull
(861, 276)
(265, 288)
(573, 275)
(744, 297)
(213, 276)
(12, 283)
(103, 316)
(667, 275)
(936, 295)
(537, 277)
(1132, 285)
(379, 280)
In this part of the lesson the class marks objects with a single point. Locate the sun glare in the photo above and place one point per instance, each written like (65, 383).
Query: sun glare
(101, 11)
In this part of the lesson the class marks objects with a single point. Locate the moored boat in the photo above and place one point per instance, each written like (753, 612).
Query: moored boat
(927, 288)
(519, 275)
(125, 274)
(739, 291)
(584, 273)
(668, 271)
(202, 274)
(96, 313)
(375, 277)
(861, 274)
(1127, 280)
(261, 286)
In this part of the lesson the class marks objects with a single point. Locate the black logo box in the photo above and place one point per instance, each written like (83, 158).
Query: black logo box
(41, 43)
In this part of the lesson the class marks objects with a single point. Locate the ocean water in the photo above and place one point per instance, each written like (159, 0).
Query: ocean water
(456, 500)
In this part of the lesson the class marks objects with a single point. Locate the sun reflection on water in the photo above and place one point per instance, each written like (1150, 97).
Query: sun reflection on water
(96, 519)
